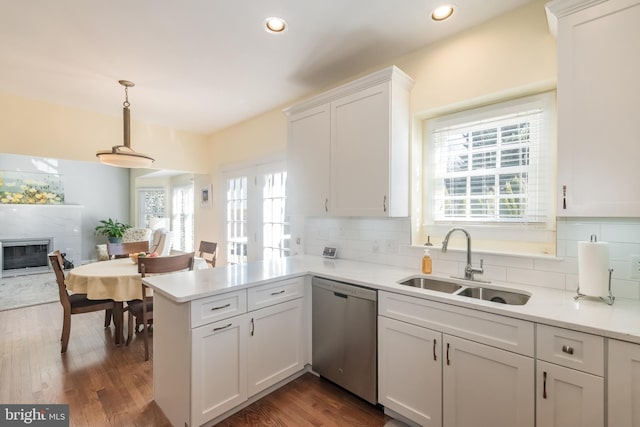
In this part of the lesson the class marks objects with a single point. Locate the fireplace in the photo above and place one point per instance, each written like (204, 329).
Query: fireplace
(25, 255)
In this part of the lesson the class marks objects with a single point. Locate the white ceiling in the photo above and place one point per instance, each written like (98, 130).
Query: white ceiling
(202, 65)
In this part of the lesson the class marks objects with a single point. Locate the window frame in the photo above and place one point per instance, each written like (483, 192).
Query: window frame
(541, 233)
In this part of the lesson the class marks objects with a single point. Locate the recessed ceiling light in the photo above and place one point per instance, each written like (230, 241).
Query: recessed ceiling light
(441, 13)
(275, 25)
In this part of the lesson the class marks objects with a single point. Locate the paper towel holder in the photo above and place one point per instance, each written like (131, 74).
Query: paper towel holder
(609, 299)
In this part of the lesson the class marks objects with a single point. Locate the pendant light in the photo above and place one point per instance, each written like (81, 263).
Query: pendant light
(123, 155)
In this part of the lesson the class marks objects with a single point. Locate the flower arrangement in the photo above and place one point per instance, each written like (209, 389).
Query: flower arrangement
(30, 189)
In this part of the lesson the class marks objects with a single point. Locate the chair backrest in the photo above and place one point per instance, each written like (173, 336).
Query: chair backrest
(165, 264)
(134, 234)
(55, 258)
(208, 248)
(122, 250)
(162, 242)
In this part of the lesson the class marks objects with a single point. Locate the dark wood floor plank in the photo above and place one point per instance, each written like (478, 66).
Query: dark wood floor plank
(106, 385)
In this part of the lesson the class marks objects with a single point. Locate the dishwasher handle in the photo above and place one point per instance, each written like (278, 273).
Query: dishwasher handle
(341, 295)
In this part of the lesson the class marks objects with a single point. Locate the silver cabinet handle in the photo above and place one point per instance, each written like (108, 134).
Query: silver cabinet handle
(277, 293)
(326, 205)
(221, 307)
(567, 349)
(222, 327)
(384, 204)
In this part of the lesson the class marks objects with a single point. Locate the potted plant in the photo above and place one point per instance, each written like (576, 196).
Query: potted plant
(113, 229)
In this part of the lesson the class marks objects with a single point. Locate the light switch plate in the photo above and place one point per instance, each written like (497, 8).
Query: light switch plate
(329, 252)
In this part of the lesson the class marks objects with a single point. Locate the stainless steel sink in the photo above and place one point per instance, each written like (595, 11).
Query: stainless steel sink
(496, 295)
(431, 284)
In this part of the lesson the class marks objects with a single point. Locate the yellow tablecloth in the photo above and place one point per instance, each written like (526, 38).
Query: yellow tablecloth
(116, 279)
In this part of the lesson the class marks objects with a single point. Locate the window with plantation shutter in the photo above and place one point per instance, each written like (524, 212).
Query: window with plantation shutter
(492, 165)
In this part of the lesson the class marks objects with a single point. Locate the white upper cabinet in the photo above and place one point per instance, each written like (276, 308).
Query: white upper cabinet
(598, 88)
(348, 149)
(308, 164)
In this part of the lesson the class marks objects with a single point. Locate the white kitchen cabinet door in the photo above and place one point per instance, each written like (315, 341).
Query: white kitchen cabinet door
(308, 162)
(410, 371)
(486, 386)
(360, 134)
(568, 398)
(624, 384)
(219, 374)
(598, 87)
(276, 344)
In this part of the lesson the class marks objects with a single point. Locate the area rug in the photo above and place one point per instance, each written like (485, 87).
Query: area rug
(23, 291)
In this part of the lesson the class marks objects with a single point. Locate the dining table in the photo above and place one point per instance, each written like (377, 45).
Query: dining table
(116, 279)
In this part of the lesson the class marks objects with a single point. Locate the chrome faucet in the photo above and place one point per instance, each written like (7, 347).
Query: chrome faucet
(469, 271)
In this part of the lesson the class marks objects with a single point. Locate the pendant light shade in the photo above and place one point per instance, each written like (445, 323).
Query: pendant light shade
(123, 155)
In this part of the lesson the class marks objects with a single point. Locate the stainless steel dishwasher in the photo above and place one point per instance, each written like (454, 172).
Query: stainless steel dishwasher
(345, 336)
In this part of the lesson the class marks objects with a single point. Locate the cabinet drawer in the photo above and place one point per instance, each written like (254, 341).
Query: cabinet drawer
(218, 307)
(274, 293)
(577, 350)
(491, 329)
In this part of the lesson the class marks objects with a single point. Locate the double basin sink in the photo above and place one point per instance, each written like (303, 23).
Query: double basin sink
(471, 290)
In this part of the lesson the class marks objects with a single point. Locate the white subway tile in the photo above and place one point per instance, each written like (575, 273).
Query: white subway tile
(536, 278)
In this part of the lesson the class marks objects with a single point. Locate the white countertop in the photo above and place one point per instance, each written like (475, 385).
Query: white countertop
(549, 306)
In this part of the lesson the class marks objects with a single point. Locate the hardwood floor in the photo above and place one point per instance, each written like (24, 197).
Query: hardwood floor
(106, 385)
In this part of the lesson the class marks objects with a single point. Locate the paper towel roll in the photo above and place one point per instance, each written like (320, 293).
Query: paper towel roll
(593, 268)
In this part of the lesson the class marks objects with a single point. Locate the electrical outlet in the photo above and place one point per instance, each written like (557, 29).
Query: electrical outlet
(635, 266)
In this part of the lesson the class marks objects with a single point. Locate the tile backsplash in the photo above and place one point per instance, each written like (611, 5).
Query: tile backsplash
(388, 241)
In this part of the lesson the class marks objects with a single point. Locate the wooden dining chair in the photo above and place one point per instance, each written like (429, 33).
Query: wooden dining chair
(73, 303)
(122, 250)
(142, 310)
(208, 248)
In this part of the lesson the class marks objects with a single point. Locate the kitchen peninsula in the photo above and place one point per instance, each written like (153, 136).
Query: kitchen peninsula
(227, 336)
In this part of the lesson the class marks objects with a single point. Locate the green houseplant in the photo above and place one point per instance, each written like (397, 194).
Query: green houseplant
(113, 229)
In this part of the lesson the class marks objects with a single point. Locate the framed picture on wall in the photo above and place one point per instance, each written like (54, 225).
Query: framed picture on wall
(205, 196)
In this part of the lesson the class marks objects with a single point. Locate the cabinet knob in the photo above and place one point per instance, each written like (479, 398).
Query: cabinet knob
(567, 349)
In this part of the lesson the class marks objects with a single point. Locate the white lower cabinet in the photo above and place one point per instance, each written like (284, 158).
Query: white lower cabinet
(434, 378)
(219, 359)
(213, 354)
(624, 384)
(570, 378)
(486, 386)
(568, 398)
(276, 346)
(410, 371)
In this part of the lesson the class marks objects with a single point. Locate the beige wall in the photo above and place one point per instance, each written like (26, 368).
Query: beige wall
(510, 55)
(43, 129)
